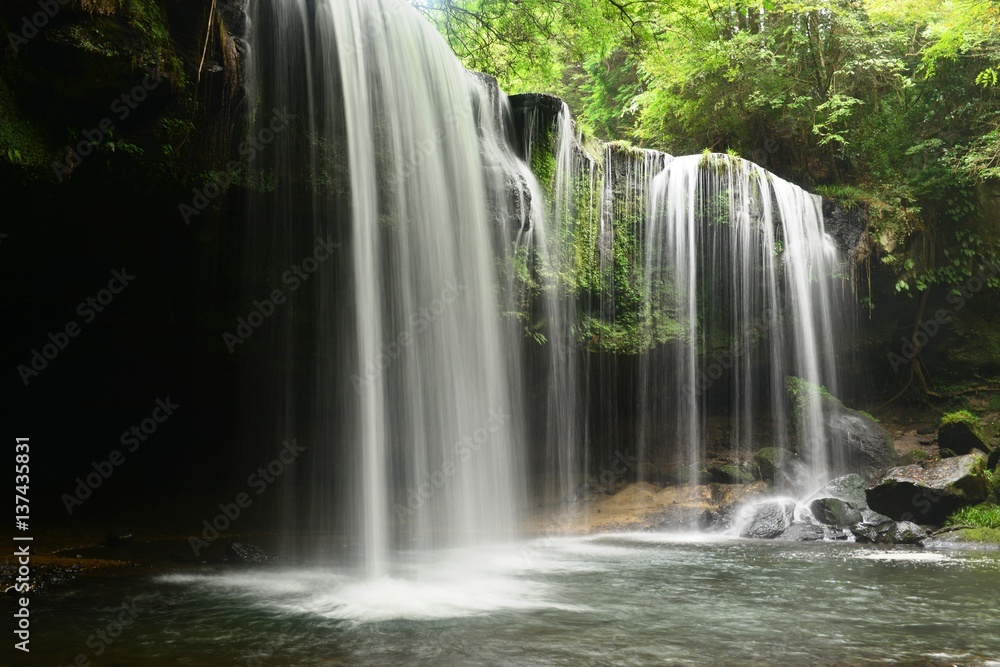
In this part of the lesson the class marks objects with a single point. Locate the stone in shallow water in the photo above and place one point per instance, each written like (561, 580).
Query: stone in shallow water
(803, 532)
(769, 519)
(929, 492)
(902, 532)
(241, 553)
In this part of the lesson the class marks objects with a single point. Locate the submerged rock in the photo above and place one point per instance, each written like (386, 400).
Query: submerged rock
(961, 438)
(241, 553)
(929, 492)
(119, 537)
(769, 519)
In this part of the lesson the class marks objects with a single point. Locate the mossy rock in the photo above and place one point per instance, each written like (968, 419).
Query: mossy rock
(928, 493)
(768, 461)
(961, 433)
(835, 512)
(730, 473)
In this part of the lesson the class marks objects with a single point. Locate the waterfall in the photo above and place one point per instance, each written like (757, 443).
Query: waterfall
(475, 318)
(739, 275)
(399, 371)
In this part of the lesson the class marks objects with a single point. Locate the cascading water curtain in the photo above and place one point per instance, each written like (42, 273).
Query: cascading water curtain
(397, 368)
(740, 277)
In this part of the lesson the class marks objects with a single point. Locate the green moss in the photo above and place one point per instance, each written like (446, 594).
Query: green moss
(963, 417)
(543, 164)
(983, 535)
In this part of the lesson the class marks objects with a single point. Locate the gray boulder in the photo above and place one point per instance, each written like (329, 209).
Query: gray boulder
(865, 446)
(769, 519)
(835, 512)
(928, 492)
(857, 443)
(902, 532)
(851, 489)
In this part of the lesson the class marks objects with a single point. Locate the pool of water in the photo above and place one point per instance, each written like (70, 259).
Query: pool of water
(626, 599)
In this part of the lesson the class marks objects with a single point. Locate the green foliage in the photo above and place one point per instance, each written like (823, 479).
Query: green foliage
(22, 141)
(889, 104)
(980, 516)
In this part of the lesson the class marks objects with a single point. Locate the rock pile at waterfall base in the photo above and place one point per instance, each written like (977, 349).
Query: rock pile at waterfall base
(838, 511)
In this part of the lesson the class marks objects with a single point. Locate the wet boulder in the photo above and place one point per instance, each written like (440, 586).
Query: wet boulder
(927, 493)
(852, 491)
(803, 532)
(867, 447)
(768, 520)
(859, 443)
(835, 512)
(902, 532)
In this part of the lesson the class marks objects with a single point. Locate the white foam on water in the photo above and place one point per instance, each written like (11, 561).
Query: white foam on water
(464, 583)
(906, 556)
(667, 538)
